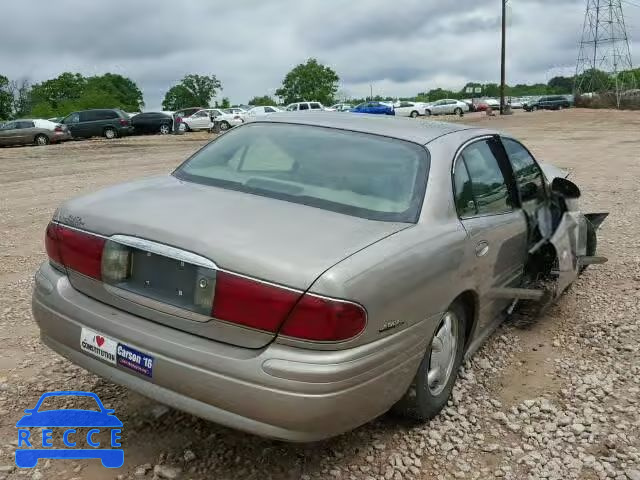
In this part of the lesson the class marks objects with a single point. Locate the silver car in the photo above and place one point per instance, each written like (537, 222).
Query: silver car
(305, 273)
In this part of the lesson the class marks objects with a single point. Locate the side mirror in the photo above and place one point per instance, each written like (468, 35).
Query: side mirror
(565, 188)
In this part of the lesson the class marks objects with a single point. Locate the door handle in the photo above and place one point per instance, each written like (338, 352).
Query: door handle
(482, 248)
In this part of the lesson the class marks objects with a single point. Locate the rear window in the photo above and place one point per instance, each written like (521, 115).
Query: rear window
(357, 174)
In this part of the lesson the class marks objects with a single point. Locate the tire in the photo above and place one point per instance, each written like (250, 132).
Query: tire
(224, 126)
(414, 114)
(165, 129)
(458, 112)
(41, 140)
(534, 108)
(110, 133)
(186, 127)
(427, 113)
(426, 398)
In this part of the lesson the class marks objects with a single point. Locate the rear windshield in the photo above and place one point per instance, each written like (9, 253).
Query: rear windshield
(358, 174)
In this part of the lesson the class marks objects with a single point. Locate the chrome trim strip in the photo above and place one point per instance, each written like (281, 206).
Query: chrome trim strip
(258, 280)
(164, 250)
(78, 229)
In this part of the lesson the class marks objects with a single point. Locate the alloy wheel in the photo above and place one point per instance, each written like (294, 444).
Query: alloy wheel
(444, 349)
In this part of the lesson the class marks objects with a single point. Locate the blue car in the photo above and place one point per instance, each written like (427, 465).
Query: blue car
(69, 420)
(375, 108)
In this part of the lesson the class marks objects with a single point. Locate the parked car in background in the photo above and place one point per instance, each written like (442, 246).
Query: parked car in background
(516, 103)
(55, 119)
(109, 123)
(201, 120)
(470, 104)
(152, 122)
(341, 107)
(410, 109)
(549, 102)
(262, 110)
(447, 106)
(32, 131)
(305, 273)
(374, 108)
(484, 104)
(304, 106)
(230, 117)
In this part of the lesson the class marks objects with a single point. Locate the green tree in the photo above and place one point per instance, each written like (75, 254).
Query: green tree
(6, 99)
(263, 101)
(309, 81)
(64, 88)
(115, 88)
(192, 91)
(22, 103)
(561, 84)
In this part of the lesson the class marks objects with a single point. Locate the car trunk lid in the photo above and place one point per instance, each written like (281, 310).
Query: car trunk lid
(181, 235)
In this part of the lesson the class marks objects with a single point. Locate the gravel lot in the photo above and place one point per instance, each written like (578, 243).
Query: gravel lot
(555, 398)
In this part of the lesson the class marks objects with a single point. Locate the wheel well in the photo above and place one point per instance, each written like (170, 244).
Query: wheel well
(469, 300)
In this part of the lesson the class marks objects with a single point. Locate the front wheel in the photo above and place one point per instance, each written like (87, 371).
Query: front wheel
(42, 140)
(224, 125)
(414, 114)
(437, 373)
(427, 113)
(458, 112)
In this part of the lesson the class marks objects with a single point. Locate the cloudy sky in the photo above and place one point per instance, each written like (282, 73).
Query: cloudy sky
(401, 47)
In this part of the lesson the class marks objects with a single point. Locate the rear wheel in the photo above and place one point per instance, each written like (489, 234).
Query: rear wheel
(42, 140)
(224, 125)
(534, 108)
(165, 129)
(437, 373)
(414, 114)
(110, 133)
(458, 111)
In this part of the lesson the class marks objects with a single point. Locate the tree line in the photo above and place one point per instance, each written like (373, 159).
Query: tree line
(307, 81)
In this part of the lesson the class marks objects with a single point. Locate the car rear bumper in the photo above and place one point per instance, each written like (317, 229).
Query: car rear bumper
(279, 391)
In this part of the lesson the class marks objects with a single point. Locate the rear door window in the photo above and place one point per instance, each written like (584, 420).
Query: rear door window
(315, 106)
(304, 106)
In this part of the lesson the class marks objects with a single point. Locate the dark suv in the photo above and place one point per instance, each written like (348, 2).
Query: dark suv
(553, 102)
(109, 123)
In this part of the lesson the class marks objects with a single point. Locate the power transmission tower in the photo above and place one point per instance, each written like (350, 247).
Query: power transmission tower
(604, 61)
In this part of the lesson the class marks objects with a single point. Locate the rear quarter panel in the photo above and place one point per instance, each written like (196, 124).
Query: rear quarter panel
(412, 276)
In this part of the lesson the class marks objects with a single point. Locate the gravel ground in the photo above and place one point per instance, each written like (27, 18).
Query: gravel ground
(556, 398)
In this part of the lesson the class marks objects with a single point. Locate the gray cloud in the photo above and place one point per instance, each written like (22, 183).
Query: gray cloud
(399, 47)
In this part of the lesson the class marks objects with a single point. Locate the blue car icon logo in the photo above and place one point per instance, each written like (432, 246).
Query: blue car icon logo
(68, 420)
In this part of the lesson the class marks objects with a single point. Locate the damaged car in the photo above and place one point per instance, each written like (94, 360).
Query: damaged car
(305, 273)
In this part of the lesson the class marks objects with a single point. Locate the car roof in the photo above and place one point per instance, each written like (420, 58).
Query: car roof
(402, 128)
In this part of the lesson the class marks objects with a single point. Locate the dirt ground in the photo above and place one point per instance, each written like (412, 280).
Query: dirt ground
(556, 398)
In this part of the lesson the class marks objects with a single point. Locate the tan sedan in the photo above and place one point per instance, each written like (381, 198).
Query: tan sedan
(28, 132)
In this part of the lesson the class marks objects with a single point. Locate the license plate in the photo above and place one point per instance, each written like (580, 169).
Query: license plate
(115, 352)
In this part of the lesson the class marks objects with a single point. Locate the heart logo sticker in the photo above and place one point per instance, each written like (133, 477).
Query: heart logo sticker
(99, 340)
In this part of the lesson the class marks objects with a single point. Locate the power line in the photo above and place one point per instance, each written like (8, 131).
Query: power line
(604, 59)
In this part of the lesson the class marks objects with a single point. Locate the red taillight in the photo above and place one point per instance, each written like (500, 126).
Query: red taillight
(325, 320)
(78, 251)
(251, 303)
(124, 122)
(51, 243)
(58, 128)
(266, 307)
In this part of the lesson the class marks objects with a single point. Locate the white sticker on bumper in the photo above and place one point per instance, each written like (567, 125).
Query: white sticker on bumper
(98, 345)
